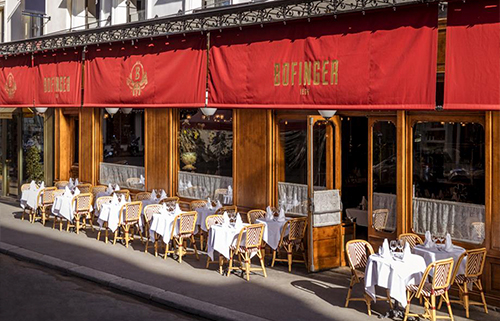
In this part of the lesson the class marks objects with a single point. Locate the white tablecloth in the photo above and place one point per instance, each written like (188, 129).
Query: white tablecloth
(162, 224)
(28, 197)
(438, 253)
(393, 274)
(203, 213)
(272, 231)
(220, 238)
(361, 216)
(62, 207)
(110, 212)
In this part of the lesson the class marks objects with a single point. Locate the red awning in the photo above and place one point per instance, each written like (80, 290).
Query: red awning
(381, 60)
(58, 79)
(161, 73)
(16, 81)
(472, 78)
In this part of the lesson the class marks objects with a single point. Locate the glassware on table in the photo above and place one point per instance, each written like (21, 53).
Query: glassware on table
(393, 245)
(400, 245)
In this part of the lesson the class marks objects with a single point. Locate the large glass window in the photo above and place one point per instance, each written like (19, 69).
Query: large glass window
(448, 179)
(32, 138)
(206, 155)
(123, 149)
(384, 166)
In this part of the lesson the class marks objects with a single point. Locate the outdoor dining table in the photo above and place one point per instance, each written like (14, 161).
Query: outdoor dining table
(438, 252)
(63, 206)
(220, 239)
(162, 224)
(110, 213)
(272, 231)
(393, 274)
(29, 197)
(203, 213)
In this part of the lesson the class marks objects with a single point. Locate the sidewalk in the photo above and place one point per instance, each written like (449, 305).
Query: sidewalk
(189, 286)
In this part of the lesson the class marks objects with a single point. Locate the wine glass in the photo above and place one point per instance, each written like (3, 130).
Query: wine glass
(393, 245)
(401, 245)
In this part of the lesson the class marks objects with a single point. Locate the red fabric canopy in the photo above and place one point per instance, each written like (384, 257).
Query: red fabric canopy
(160, 73)
(472, 78)
(58, 79)
(383, 60)
(16, 81)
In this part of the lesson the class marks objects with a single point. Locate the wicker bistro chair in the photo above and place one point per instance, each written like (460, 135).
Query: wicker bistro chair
(358, 252)
(380, 217)
(472, 276)
(98, 205)
(196, 204)
(254, 215)
(123, 192)
(210, 221)
(249, 242)
(170, 202)
(98, 189)
(411, 238)
(57, 218)
(61, 184)
(429, 291)
(231, 210)
(142, 196)
(26, 209)
(186, 223)
(45, 200)
(82, 204)
(131, 213)
(149, 211)
(84, 188)
(293, 241)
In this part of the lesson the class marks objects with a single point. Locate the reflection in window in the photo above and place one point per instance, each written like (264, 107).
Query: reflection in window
(206, 155)
(123, 149)
(448, 180)
(384, 176)
(292, 169)
(1, 156)
(32, 147)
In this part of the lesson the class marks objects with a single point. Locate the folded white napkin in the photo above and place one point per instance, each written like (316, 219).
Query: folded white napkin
(406, 251)
(384, 250)
(163, 195)
(153, 195)
(67, 192)
(42, 186)
(115, 199)
(218, 205)
(32, 185)
(281, 217)
(142, 180)
(110, 189)
(448, 245)
(428, 240)
(209, 203)
(189, 184)
(76, 191)
(71, 183)
(76, 182)
(269, 213)
(239, 223)
(295, 200)
(229, 190)
(225, 219)
(177, 209)
(117, 188)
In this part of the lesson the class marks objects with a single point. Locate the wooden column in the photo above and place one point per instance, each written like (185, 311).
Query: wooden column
(252, 165)
(158, 158)
(403, 224)
(90, 145)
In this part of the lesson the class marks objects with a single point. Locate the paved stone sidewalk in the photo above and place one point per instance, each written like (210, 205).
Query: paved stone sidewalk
(190, 286)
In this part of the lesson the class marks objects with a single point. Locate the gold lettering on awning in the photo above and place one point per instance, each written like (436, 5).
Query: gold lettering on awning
(303, 73)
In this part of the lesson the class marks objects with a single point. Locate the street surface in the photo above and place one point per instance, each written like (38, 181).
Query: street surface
(31, 292)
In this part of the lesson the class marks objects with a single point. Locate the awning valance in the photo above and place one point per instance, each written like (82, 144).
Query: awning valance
(16, 81)
(381, 60)
(58, 78)
(472, 78)
(159, 73)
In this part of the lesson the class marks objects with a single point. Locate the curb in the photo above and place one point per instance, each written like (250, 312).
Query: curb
(169, 299)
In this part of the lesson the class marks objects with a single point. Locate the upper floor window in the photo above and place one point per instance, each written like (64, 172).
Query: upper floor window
(216, 3)
(136, 10)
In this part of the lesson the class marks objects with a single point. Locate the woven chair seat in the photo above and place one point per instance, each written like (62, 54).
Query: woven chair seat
(245, 249)
(287, 241)
(426, 291)
(461, 278)
(360, 274)
(183, 235)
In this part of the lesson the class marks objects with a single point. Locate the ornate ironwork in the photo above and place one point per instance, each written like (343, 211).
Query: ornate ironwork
(202, 21)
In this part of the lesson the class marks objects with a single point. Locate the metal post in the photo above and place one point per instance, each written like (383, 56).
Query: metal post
(311, 194)
(3, 160)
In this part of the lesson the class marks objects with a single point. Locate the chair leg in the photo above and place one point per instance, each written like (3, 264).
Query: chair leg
(167, 246)
(106, 238)
(433, 308)
(230, 268)
(408, 301)
(77, 219)
(126, 228)
(194, 246)
(221, 264)
(181, 249)
(466, 299)
(261, 258)
(349, 292)
(289, 257)
(201, 241)
(389, 298)
(368, 304)
(480, 287)
(116, 236)
(247, 266)
(54, 223)
(448, 305)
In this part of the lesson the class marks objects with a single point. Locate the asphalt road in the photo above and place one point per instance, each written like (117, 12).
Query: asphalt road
(31, 292)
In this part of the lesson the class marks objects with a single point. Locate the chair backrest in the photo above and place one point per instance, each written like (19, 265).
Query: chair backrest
(475, 262)
(170, 202)
(124, 193)
(25, 187)
(213, 219)
(99, 189)
(297, 228)
(253, 237)
(411, 238)
(133, 182)
(231, 210)
(220, 191)
(61, 184)
(58, 192)
(48, 195)
(150, 210)
(380, 217)
(197, 204)
(131, 212)
(479, 229)
(83, 202)
(101, 200)
(357, 254)
(187, 222)
(254, 215)
(142, 196)
(84, 188)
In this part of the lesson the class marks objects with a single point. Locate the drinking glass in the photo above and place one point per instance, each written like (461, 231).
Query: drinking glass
(393, 245)
(400, 245)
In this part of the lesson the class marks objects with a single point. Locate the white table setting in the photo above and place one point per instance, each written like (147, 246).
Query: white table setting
(110, 213)
(393, 271)
(206, 211)
(110, 190)
(273, 226)
(62, 206)
(29, 196)
(432, 251)
(162, 223)
(222, 236)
